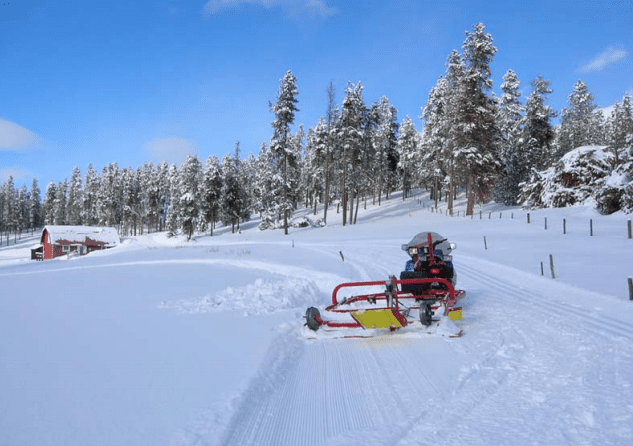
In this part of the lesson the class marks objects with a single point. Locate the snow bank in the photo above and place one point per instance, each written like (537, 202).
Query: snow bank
(264, 296)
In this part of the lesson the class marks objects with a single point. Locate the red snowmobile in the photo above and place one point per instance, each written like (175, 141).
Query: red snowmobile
(426, 285)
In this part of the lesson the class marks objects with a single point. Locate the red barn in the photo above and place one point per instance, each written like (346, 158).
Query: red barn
(61, 240)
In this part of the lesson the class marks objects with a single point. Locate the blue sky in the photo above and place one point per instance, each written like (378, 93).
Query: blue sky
(97, 82)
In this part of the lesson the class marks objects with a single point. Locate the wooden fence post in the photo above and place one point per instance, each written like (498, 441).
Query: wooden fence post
(591, 227)
(528, 218)
(564, 226)
(630, 280)
(485, 243)
(551, 266)
(628, 223)
(546, 223)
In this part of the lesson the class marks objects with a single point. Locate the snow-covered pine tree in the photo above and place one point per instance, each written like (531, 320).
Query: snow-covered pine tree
(189, 201)
(409, 146)
(433, 161)
(109, 196)
(232, 201)
(89, 212)
(35, 206)
(332, 149)
(22, 209)
(211, 193)
(386, 147)
(49, 200)
(8, 205)
(59, 204)
(509, 122)
(74, 198)
(538, 134)
(281, 148)
(164, 189)
(129, 195)
(581, 123)
(476, 136)
(351, 137)
(172, 217)
(313, 172)
(619, 128)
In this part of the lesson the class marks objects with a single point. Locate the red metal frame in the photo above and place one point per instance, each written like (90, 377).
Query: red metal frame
(445, 297)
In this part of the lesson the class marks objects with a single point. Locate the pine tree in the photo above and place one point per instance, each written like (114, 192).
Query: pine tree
(509, 122)
(331, 149)
(351, 137)
(233, 205)
(35, 206)
(109, 196)
(211, 193)
(59, 204)
(476, 137)
(89, 212)
(49, 200)
(190, 198)
(172, 217)
(434, 160)
(22, 210)
(74, 199)
(409, 146)
(281, 149)
(386, 146)
(8, 208)
(538, 133)
(164, 190)
(581, 123)
(619, 128)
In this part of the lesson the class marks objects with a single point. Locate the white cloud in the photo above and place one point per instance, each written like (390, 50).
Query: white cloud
(13, 136)
(314, 8)
(173, 150)
(609, 56)
(17, 174)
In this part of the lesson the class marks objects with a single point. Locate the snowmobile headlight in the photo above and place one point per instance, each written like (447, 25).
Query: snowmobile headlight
(413, 251)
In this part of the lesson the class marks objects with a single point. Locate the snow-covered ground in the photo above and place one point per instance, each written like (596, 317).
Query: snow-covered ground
(164, 342)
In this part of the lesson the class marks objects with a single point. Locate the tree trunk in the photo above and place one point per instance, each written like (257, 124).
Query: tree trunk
(471, 197)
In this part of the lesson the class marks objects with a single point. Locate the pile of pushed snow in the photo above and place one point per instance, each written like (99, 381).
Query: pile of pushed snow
(264, 296)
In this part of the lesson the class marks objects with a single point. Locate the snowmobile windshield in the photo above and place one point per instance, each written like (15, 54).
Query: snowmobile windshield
(421, 240)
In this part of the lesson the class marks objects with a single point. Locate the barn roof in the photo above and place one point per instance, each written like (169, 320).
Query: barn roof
(80, 234)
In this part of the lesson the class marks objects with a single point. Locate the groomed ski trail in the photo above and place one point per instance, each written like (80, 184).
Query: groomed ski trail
(335, 392)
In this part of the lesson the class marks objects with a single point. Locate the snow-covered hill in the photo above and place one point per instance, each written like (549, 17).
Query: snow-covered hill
(163, 342)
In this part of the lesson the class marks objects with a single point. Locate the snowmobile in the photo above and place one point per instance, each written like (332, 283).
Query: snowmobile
(426, 285)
